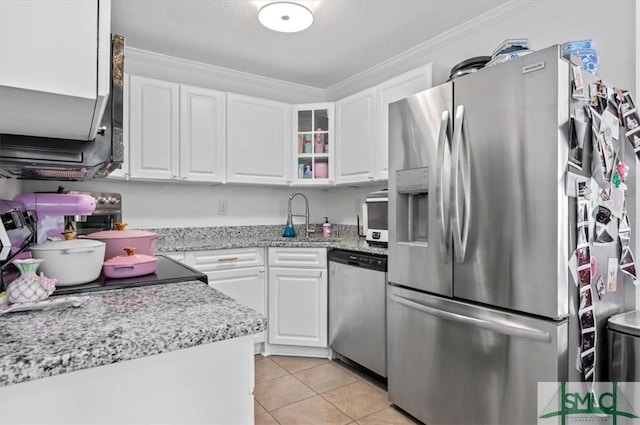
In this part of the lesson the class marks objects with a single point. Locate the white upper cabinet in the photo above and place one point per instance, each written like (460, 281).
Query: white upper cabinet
(313, 144)
(54, 67)
(395, 89)
(202, 134)
(154, 131)
(356, 137)
(176, 132)
(258, 140)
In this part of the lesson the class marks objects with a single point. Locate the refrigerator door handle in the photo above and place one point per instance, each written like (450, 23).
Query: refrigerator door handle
(503, 327)
(444, 221)
(461, 177)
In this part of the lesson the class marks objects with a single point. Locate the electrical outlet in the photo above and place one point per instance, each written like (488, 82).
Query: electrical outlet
(223, 207)
(358, 205)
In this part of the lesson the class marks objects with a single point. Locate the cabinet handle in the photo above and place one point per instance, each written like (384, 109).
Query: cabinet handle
(227, 259)
(184, 177)
(174, 176)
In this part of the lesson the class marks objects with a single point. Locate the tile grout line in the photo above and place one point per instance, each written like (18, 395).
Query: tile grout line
(353, 419)
(315, 393)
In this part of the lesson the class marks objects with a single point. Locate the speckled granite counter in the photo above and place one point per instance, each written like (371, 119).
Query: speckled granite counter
(119, 325)
(206, 238)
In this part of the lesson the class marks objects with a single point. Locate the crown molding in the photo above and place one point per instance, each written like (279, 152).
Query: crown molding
(224, 76)
(415, 55)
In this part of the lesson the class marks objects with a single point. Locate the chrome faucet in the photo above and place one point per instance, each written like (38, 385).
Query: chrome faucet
(307, 230)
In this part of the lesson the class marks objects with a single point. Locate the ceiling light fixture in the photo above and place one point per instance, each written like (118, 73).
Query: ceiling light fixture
(285, 16)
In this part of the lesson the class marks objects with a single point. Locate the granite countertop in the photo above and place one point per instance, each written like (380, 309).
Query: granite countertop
(208, 238)
(119, 325)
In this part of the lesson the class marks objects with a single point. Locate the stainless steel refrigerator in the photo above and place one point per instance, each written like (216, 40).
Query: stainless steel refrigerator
(481, 306)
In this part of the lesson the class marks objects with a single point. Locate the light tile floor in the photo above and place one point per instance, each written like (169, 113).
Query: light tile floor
(308, 391)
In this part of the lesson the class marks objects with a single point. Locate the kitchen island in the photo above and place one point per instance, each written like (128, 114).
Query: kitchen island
(172, 353)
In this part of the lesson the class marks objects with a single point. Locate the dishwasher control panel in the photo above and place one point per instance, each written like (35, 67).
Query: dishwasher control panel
(357, 259)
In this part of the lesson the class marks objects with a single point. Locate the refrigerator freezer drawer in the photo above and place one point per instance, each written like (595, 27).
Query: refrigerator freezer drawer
(456, 363)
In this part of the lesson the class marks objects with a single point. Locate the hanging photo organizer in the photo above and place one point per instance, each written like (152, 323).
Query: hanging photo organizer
(602, 219)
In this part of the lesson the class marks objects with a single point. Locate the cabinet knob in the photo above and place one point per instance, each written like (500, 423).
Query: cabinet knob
(184, 177)
(174, 176)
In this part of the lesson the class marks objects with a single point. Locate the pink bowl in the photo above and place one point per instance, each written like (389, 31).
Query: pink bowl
(321, 170)
(118, 240)
(130, 266)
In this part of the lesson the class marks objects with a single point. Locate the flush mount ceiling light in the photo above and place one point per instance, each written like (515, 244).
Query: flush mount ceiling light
(285, 16)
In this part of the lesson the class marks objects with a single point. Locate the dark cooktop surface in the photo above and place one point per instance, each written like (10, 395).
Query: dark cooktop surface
(169, 271)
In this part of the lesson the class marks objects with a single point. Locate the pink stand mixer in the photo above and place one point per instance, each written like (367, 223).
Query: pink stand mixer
(52, 208)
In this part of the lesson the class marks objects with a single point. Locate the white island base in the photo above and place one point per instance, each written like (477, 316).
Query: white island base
(211, 383)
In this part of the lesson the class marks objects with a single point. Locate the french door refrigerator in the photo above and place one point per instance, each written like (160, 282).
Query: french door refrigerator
(481, 305)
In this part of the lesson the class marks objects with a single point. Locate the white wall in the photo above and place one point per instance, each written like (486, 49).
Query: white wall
(147, 204)
(544, 22)
(9, 188)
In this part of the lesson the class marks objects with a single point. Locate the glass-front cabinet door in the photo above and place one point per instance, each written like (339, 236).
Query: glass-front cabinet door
(314, 144)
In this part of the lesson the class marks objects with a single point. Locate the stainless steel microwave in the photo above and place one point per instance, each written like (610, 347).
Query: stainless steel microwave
(376, 217)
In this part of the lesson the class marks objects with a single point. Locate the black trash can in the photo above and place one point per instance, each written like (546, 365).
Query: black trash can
(624, 347)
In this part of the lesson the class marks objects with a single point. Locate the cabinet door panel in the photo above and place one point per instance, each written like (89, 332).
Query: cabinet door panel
(223, 259)
(258, 134)
(297, 257)
(314, 144)
(247, 286)
(153, 124)
(202, 134)
(356, 138)
(54, 67)
(298, 307)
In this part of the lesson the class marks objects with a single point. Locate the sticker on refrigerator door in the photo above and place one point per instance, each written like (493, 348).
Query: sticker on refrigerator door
(578, 85)
(627, 261)
(600, 288)
(612, 275)
(611, 123)
(573, 267)
(586, 298)
(588, 340)
(603, 221)
(576, 145)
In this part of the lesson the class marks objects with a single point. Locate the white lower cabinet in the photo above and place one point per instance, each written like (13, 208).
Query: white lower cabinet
(238, 273)
(298, 297)
(244, 285)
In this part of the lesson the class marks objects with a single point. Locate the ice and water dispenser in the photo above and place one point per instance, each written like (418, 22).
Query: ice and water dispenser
(412, 188)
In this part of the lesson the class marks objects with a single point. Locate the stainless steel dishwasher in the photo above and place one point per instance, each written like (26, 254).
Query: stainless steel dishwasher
(357, 308)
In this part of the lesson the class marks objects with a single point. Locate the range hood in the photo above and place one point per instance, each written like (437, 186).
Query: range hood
(42, 158)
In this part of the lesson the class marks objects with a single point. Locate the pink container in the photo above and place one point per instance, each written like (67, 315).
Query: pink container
(321, 171)
(130, 265)
(117, 240)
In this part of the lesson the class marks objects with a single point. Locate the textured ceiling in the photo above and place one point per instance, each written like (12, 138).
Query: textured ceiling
(346, 37)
